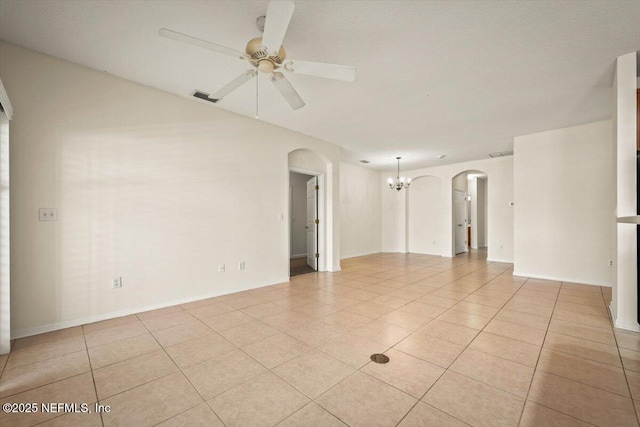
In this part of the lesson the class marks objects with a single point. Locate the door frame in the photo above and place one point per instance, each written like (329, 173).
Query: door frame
(454, 223)
(322, 226)
(5, 229)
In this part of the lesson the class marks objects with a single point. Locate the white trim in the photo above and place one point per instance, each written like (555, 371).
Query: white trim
(558, 279)
(323, 215)
(360, 254)
(627, 326)
(298, 256)
(5, 238)
(504, 261)
(4, 100)
(26, 332)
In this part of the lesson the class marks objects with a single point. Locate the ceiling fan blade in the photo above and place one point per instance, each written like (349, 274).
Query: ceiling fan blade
(287, 91)
(201, 43)
(232, 85)
(318, 69)
(279, 15)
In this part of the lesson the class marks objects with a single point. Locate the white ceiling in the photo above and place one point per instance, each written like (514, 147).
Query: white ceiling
(454, 77)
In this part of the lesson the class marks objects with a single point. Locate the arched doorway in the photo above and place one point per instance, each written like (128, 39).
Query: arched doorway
(469, 226)
(308, 218)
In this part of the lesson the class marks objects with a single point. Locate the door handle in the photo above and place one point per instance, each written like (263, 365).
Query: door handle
(306, 228)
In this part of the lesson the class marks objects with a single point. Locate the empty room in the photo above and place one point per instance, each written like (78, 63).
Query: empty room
(319, 213)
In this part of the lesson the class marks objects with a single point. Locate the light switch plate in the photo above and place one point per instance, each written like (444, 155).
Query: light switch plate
(48, 214)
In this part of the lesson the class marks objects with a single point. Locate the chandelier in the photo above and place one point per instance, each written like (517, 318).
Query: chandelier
(400, 182)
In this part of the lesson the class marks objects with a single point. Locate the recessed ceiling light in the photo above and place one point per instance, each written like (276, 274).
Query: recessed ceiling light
(365, 161)
(442, 156)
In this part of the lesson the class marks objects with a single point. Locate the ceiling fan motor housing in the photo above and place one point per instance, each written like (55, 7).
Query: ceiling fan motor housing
(263, 60)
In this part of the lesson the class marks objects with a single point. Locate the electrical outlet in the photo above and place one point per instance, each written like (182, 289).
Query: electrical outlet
(610, 263)
(117, 282)
(241, 265)
(221, 268)
(48, 214)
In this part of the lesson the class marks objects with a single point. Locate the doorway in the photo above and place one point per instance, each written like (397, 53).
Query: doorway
(460, 221)
(469, 211)
(304, 213)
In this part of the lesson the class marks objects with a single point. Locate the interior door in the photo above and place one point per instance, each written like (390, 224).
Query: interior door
(460, 218)
(312, 226)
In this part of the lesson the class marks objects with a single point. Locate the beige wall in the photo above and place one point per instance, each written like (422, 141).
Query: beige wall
(500, 213)
(152, 187)
(564, 204)
(360, 211)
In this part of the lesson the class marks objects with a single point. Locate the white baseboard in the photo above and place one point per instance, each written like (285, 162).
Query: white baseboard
(559, 279)
(504, 261)
(27, 332)
(360, 254)
(627, 326)
(298, 256)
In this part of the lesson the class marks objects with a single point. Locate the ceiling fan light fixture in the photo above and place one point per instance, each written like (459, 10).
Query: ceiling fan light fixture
(267, 55)
(266, 66)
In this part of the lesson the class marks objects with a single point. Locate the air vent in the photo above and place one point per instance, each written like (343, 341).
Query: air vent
(205, 96)
(501, 154)
(366, 162)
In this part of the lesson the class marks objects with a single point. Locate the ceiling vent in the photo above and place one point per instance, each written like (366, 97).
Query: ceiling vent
(365, 161)
(205, 96)
(501, 154)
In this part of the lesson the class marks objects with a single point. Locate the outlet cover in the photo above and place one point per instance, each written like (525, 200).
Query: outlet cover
(48, 214)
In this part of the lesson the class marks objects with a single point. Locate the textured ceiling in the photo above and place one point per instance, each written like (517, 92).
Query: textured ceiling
(454, 77)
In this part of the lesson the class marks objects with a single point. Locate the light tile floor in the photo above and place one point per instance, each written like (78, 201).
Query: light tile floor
(468, 344)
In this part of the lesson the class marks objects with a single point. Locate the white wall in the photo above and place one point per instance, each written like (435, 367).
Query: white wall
(480, 226)
(359, 211)
(298, 185)
(461, 183)
(426, 227)
(152, 187)
(563, 204)
(500, 214)
(473, 211)
(5, 238)
(624, 308)
(393, 217)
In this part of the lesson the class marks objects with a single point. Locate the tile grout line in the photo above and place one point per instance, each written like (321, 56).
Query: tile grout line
(552, 409)
(535, 369)
(310, 294)
(624, 371)
(182, 373)
(93, 379)
(463, 350)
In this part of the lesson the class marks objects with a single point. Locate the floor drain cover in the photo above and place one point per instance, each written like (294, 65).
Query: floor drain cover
(379, 358)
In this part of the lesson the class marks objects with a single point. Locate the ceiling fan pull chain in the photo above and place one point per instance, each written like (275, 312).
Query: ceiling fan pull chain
(257, 78)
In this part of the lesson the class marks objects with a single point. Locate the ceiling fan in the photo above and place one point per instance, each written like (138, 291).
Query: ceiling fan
(267, 55)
